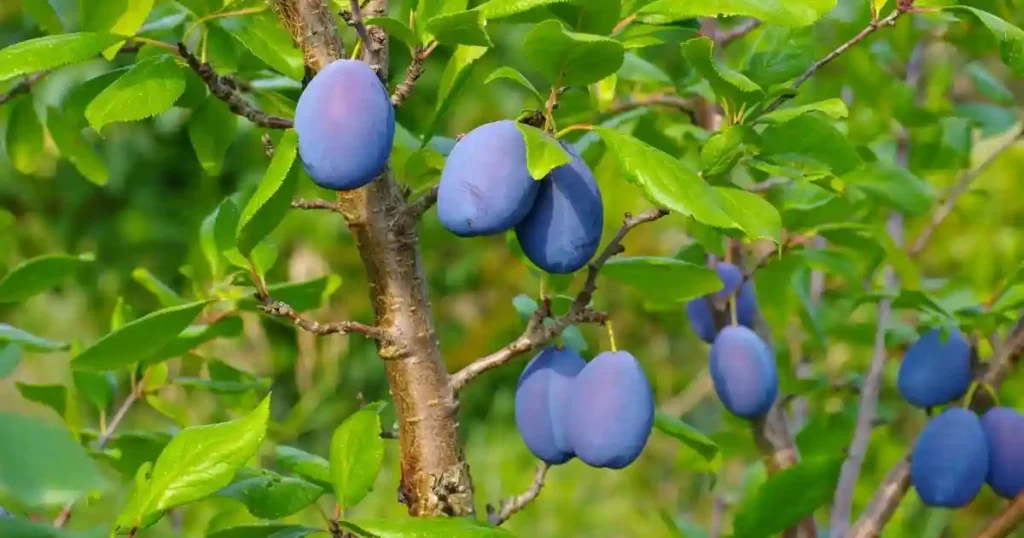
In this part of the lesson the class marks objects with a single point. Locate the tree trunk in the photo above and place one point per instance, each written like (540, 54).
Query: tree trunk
(435, 477)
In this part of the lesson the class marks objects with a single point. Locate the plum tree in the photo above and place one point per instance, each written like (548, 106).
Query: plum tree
(743, 372)
(485, 186)
(699, 312)
(935, 372)
(1004, 433)
(610, 411)
(949, 463)
(346, 126)
(562, 231)
(541, 396)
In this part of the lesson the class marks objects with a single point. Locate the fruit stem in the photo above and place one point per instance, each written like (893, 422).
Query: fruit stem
(357, 50)
(732, 310)
(611, 335)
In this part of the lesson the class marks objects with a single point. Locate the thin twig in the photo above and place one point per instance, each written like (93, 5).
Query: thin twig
(412, 74)
(421, 205)
(889, 494)
(508, 507)
(685, 106)
(301, 203)
(718, 508)
(277, 308)
(872, 27)
(1007, 521)
(954, 194)
(104, 438)
(725, 37)
(228, 90)
(537, 332)
(22, 87)
(357, 23)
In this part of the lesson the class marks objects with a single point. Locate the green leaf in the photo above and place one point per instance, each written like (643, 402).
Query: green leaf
(98, 388)
(272, 199)
(811, 136)
(268, 495)
(41, 465)
(753, 214)
(222, 387)
(195, 335)
(395, 29)
(427, 10)
(573, 59)
(725, 82)
(877, 5)
(663, 280)
(149, 88)
(720, 154)
(779, 54)
(211, 130)
(199, 461)
(24, 137)
(309, 466)
(28, 341)
(217, 235)
(894, 185)
(301, 296)
(543, 153)
(10, 357)
(13, 527)
(834, 108)
(265, 38)
(664, 180)
(53, 396)
(461, 28)
(452, 80)
(1010, 38)
(988, 84)
(163, 292)
(38, 275)
(67, 136)
(787, 497)
(121, 17)
(43, 53)
(511, 74)
(498, 9)
(270, 530)
(637, 69)
(357, 453)
(792, 13)
(407, 527)
(45, 16)
(689, 436)
(138, 340)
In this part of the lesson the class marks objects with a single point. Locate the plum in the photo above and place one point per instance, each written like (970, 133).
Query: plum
(743, 372)
(346, 126)
(562, 231)
(699, 312)
(541, 396)
(950, 461)
(610, 411)
(485, 186)
(935, 372)
(1004, 433)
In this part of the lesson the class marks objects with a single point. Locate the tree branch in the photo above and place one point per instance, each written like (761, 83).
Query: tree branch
(300, 203)
(22, 87)
(1007, 521)
(903, 6)
(537, 332)
(889, 494)
(685, 106)
(412, 74)
(279, 309)
(357, 22)
(954, 194)
(227, 89)
(421, 205)
(724, 37)
(508, 507)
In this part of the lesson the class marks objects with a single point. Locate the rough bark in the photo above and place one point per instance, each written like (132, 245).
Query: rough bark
(435, 477)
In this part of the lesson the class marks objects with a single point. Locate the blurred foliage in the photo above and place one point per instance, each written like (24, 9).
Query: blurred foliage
(139, 214)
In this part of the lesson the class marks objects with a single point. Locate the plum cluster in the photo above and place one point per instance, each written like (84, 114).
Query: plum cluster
(486, 189)
(346, 126)
(957, 452)
(742, 366)
(601, 412)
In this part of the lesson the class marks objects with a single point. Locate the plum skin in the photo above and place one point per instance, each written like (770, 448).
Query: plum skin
(562, 231)
(485, 186)
(934, 372)
(1004, 432)
(611, 411)
(699, 312)
(541, 401)
(346, 126)
(950, 461)
(743, 372)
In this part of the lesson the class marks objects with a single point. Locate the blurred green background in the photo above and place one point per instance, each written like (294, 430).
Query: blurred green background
(149, 213)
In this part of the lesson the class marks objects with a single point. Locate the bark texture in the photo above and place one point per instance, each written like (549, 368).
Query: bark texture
(435, 477)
